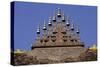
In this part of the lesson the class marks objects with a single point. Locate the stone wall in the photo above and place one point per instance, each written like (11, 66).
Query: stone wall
(57, 54)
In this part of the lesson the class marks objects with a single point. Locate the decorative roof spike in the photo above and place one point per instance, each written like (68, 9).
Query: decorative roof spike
(54, 17)
(44, 27)
(59, 12)
(63, 17)
(77, 30)
(50, 21)
(68, 21)
(72, 26)
(38, 29)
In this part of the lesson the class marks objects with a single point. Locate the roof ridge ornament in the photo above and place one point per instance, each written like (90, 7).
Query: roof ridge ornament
(59, 12)
(50, 21)
(68, 21)
(38, 29)
(77, 30)
(44, 27)
(63, 17)
(54, 17)
(72, 26)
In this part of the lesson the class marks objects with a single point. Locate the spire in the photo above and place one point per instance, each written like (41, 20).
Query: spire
(38, 34)
(50, 27)
(38, 29)
(63, 17)
(72, 26)
(68, 21)
(77, 30)
(44, 27)
(59, 12)
(77, 34)
(50, 21)
(54, 17)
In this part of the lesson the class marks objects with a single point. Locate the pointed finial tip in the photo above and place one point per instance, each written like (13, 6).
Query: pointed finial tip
(54, 18)
(44, 27)
(77, 30)
(63, 17)
(50, 21)
(72, 26)
(59, 12)
(38, 29)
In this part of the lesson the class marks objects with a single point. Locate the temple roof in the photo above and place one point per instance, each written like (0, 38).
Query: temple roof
(60, 32)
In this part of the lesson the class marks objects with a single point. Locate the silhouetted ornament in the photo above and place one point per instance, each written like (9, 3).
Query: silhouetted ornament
(44, 28)
(72, 27)
(59, 12)
(63, 18)
(54, 17)
(77, 30)
(50, 22)
(38, 29)
(68, 21)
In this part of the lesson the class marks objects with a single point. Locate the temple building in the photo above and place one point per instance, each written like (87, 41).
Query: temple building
(60, 41)
(61, 32)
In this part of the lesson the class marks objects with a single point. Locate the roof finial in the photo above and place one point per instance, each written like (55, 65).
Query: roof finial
(68, 21)
(77, 30)
(38, 29)
(50, 22)
(44, 27)
(59, 12)
(54, 17)
(63, 17)
(72, 26)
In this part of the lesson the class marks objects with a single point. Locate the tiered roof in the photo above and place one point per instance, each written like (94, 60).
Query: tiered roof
(61, 32)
